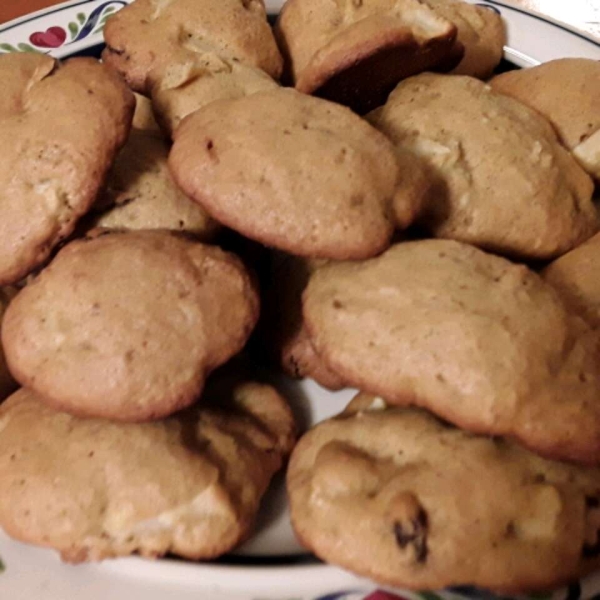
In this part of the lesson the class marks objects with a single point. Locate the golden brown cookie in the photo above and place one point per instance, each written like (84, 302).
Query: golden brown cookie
(189, 485)
(283, 327)
(7, 383)
(476, 339)
(141, 194)
(294, 172)
(398, 496)
(127, 326)
(481, 32)
(151, 34)
(567, 92)
(181, 89)
(355, 51)
(575, 278)
(503, 180)
(65, 125)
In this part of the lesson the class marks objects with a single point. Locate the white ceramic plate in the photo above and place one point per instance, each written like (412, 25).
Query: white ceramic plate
(282, 573)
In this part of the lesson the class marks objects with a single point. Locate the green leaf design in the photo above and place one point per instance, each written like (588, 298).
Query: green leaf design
(102, 23)
(110, 9)
(2, 566)
(27, 48)
(74, 29)
(8, 48)
(81, 18)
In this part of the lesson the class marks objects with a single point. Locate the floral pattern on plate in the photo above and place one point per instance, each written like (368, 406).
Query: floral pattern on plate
(79, 28)
(71, 29)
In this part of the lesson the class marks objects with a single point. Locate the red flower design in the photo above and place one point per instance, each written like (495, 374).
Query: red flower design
(380, 595)
(51, 38)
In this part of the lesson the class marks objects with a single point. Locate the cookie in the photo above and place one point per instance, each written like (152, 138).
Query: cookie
(398, 496)
(293, 172)
(355, 51)
(503, 181)
(283, 327)
(65, 124)
(482, 342)
(181, 89)
(141, 194)
(7, 383)
(127, 326)
(481, 32)
(575, 278)
(189, 485)
(147, 35)
(567, 92)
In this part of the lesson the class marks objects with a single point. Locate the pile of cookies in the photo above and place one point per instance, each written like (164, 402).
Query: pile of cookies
(346, 197)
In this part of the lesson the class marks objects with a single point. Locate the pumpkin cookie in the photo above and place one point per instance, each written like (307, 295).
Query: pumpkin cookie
(503, 181)
(294, 172)
(355, 51)
(181, 89)
(93, 489)
(65, 124)
(151, 34)
(575, 278)
(567, 92)
(481, 32)
(398, 496)
(128, 325)
(476, 339)
(141, 194)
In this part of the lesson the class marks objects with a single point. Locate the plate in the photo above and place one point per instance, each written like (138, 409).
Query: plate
(271, 566)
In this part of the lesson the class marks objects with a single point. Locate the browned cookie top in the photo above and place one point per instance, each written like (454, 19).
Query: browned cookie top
(481, 32)
(503, 181)
(567, 92)
(63, 126)
(398, 496)
(93, 489)
(482, 342)
(151, 34)
(128, 325)
(355, 52)
(295, 172)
